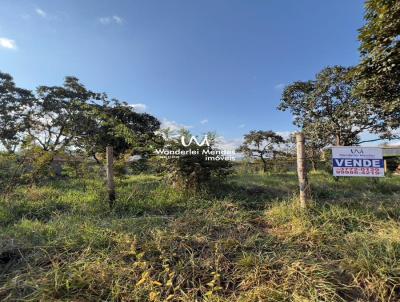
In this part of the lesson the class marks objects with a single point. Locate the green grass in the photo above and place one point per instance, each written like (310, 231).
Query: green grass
(243, 240)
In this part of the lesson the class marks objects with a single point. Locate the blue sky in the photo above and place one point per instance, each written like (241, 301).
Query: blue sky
(216, 65)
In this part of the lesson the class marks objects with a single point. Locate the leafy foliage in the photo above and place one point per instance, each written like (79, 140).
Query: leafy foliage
(326, 108)
(15, 105)
(379, 71)
(261, 143)
(114, 123)
(72, 117)
(58, 115)
(68, 120)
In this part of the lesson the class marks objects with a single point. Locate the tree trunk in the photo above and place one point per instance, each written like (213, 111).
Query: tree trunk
(264, 164)
(110, 176)
(312, 159)
(313, 165)
(338, 142)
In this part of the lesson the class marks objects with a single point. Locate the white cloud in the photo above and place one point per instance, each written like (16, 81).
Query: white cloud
(205, 121)
(139, 107)
(279, 86)
(172, 125)
(117, 19)
(8, 43)
(41, 12)
(111, 20)
(241, 126)
(105, 20)
(228, 143)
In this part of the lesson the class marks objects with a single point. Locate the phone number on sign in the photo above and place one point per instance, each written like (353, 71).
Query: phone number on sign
(357, 171)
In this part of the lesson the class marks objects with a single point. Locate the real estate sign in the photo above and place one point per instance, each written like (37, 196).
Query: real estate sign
(358, 161)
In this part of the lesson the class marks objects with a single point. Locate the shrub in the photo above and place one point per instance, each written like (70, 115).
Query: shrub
(198, 167)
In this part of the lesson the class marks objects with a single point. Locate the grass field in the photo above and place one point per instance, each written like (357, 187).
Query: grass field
(242, 240)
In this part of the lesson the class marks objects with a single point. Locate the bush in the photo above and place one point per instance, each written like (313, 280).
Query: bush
(9, 170)
(198, 168)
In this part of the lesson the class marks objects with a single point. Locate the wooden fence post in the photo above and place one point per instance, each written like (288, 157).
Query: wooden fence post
(110, 175)
(302, 170)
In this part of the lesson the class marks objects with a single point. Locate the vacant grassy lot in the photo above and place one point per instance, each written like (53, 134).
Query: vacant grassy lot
(243, 240)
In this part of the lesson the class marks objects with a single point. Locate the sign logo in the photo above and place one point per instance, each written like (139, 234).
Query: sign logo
(357, 151)
(194, 139)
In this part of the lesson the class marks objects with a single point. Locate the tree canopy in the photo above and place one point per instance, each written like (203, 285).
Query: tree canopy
(379, 71)
(115, 123)
(326, 108)
(57, 118)
(72, 116)
(259, 144)
(15, 104)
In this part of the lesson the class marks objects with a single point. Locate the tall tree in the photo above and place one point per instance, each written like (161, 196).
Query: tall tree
(117, 124)
(15, 104)
(259, 144)
(379, 70)
(58, 116)
(326, 108)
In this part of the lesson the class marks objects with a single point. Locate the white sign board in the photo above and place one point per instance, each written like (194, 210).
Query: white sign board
(358, 161)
